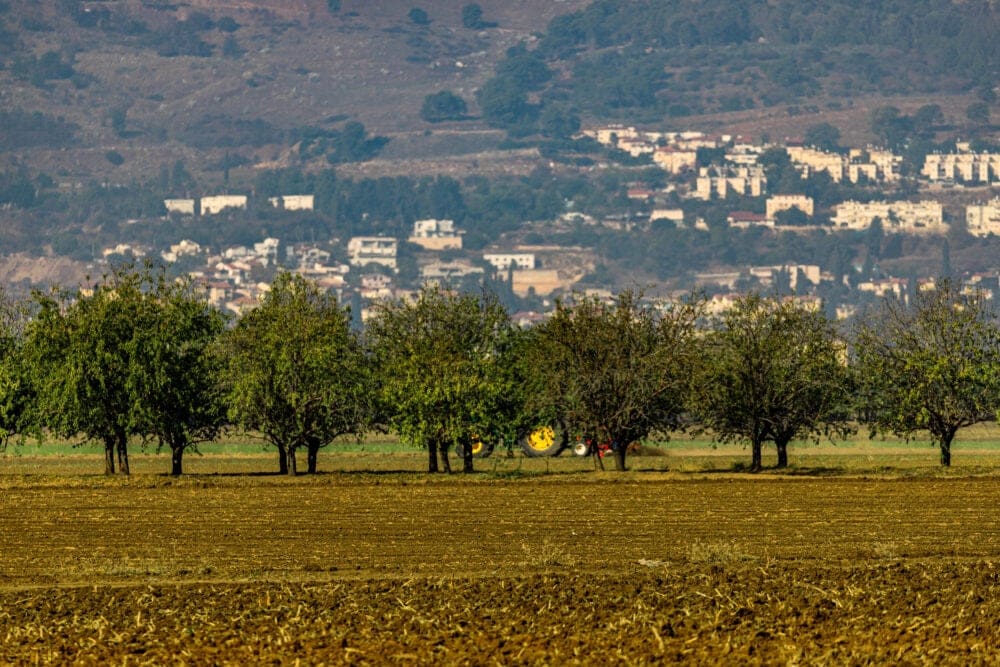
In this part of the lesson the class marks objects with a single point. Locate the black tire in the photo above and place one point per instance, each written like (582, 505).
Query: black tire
(542, 441)
(480, 449)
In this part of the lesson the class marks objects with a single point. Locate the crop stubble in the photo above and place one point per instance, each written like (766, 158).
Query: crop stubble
(382, 569)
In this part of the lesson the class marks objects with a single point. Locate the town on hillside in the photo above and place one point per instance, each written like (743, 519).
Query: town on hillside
(362, 269)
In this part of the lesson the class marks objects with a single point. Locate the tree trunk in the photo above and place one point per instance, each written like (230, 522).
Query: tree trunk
(946, 451)
(782, 447)
(291, 467)
(756, 463)
(432, 461)
(596, 453)
(467, 457)
(176, 460)
(313, 454)
(121, 438)
(619, 450)
(445, 461)
(282, 460)
(109, 457)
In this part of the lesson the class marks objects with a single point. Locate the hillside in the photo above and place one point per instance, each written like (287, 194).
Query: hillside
(389, 112)
(239, 83)
(289, 65)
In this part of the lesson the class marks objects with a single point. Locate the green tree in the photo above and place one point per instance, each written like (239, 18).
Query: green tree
(16, 396)
(979, 113)
(890, 126)
(418, 16)
(933, 365)
(823, 136)
(174, 378)
(926, 118)
(505, 104)
(443, 105)
(117, 116)
(79, 355)
(442, 369)
(231, 48)
(472, 17)
(525, 68)
(296, 371)
(772, 371)
(558, 121)
(613, 372)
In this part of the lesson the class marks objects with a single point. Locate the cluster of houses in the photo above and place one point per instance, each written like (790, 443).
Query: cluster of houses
(215, 204)
(235, 278)
(742, 176)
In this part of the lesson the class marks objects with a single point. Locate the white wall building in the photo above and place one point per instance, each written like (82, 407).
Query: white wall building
(983, 219)
(922, 217)
(219, 203)
(432, 234)
(778, 203)
(293, 202)
(182, 206)
(966, 167)
(722, 182)
(364, 250)
(503, 261)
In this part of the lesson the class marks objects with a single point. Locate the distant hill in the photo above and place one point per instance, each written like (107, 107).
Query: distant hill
(241, 80)
(120, 88)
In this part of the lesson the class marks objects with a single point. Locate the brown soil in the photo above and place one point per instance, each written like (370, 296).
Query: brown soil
(366, 568)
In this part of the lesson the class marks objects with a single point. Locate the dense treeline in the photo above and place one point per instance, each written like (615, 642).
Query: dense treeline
(648, 60)
(142, 358)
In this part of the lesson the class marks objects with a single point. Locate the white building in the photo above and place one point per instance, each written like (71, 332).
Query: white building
(181, 249)
(267, 250)
(432, 234)
(872, 164)
(219, 203)
(503, 261)
(445, 271)
(293, 202)
(966, 167)
(983, 219)
(674, 215)
(722, 182)
(364, 250)
(778, 203)
(182, 206)
(675, 160)
(922, 217)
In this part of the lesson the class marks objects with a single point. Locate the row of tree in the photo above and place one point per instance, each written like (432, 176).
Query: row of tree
(141, 357)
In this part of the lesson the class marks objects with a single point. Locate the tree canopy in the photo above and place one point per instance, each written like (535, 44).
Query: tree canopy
(296, 372)
(771, 371)
(174, 379)
(615, 371)
(442, 368)
(933, 365)
(443, 105)
(79, 353)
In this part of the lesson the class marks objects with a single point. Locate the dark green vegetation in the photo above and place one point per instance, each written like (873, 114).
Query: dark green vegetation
(772, 371)
(295, 372)
(129, 358)
(141, 357)
(443, 368)
(934, 367)
(646, 61)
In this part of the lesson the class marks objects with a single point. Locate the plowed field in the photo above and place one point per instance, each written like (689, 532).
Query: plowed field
(592, 568)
